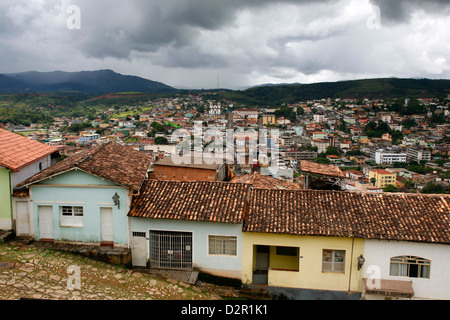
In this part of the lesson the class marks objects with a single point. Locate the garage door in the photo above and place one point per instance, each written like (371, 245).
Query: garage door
(170, 250)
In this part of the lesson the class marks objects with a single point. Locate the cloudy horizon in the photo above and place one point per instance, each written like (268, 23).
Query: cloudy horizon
(231, 44)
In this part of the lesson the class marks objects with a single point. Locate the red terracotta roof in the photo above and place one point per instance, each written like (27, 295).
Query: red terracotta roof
(322, 169)
(194, 201)
(265, 182)
(18, 151)
(382, 171)
(400, 217)
(114, 162)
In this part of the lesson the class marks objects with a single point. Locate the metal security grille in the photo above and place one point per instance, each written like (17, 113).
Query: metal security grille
(170, 250)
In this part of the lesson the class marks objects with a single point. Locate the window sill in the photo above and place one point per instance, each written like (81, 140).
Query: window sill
(280, 269)
(73, 227)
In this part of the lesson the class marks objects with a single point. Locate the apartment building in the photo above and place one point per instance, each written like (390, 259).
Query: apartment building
(382, 178)
(418, 154)
(381, 156)
(301, 155)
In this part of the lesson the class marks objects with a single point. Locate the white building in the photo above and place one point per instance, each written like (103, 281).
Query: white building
(88, 138)
(215, 109)
(403, 266)
(319, 118)
(418, 154)
(381, 156)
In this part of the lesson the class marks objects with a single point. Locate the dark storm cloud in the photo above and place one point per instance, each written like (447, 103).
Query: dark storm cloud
(195, 40)
(399, 11)
(113, 29)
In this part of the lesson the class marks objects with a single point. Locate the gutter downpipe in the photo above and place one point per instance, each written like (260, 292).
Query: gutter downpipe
(351, 267)
(10, 200)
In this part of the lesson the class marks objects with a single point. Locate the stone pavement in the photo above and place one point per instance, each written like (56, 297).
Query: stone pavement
(33, 271)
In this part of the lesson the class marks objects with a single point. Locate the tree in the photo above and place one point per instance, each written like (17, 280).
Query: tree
(161, 140)
(390, 188)
(433, 188)
(287, 113)
(322, 160)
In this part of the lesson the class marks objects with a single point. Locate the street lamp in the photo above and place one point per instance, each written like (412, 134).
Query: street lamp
(116, 200)
(361, 261)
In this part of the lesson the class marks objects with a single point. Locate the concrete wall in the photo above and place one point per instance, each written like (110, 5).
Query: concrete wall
(226, 266)
(31, 170)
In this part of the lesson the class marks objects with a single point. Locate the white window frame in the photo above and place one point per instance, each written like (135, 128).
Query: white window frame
(222, 246)
(71, 216)
(400, 266)
(333, 265)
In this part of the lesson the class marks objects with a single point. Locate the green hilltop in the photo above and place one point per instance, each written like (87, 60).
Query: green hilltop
(386, 88)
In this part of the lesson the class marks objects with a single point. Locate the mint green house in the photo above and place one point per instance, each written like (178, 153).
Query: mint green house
(86, 198)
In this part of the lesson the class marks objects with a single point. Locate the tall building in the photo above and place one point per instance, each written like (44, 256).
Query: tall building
(418, 154)
(387, 156)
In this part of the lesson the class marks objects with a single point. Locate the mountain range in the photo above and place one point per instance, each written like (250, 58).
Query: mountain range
(106, 81)
(92, 82)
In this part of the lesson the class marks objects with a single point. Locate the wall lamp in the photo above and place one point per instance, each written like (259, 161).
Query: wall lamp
(116, 200)
(361, 261)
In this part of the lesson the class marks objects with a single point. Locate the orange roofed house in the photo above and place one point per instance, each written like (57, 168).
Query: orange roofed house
(20, 158)
(382, 178)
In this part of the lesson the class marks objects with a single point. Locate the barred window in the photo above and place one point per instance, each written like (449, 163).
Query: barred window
(223, 245)
(410, 266)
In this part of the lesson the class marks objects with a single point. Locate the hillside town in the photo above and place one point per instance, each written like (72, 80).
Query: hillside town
(377, 148)
(325, 199)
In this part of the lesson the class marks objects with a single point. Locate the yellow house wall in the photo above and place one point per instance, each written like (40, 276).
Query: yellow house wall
(310, 275)
(269, 120)
(381, 179)
(283, 262)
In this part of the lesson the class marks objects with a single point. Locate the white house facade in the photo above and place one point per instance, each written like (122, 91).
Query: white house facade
(423, 265)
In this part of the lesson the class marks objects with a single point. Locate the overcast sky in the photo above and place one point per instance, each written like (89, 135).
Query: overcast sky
(230, 43)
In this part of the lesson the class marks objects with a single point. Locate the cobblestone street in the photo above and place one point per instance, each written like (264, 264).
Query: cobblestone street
(33, 271)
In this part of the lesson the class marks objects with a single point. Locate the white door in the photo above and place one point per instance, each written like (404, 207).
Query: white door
(46, 223)
(107, 224)
(22, 218)
(139, 251)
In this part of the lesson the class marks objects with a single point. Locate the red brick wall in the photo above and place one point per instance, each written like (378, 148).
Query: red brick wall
(183, 174)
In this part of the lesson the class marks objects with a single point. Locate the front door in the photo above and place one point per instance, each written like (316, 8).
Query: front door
(261, 270)
(139, 253)
(46, 223)
(107, 226)
(22, 219)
